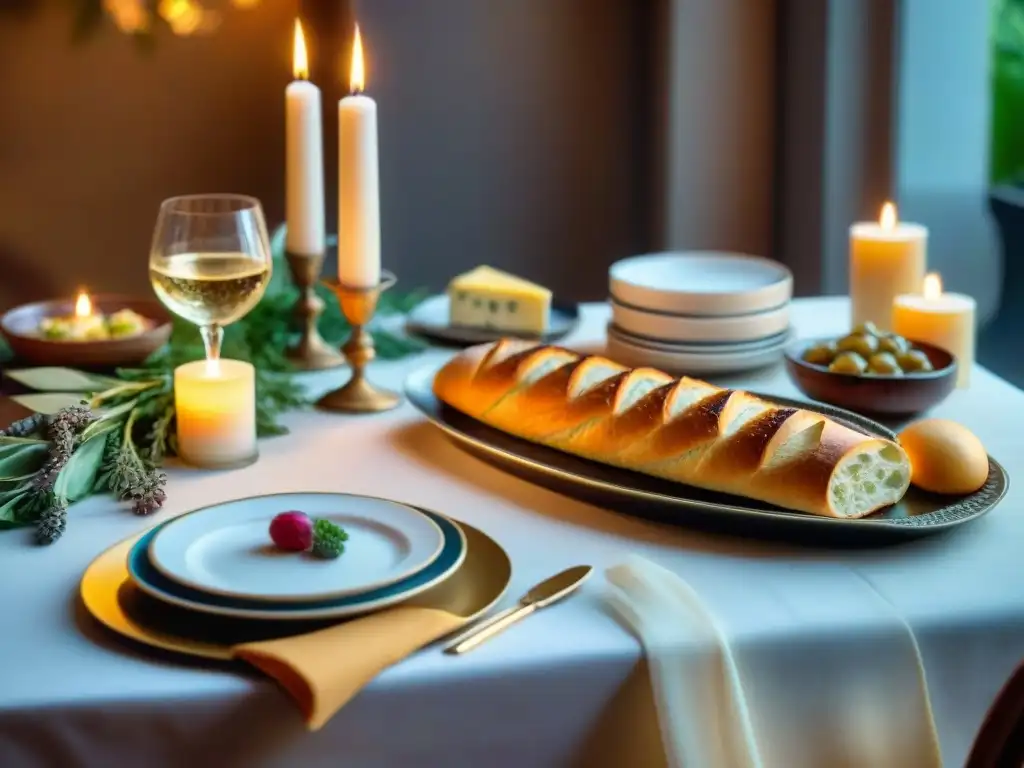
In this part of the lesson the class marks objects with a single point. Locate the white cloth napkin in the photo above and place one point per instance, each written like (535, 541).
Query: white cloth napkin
(702, 711)
(859, 701)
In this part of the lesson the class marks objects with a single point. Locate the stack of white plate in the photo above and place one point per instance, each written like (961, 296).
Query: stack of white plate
(699, 312)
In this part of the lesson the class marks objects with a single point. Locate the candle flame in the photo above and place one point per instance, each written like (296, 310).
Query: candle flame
(888, 217)
(83, 305)
(932, 286)
(357, 74)
(300, 58)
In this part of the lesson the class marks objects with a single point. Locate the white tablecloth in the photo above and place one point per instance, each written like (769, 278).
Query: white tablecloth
(564, 687)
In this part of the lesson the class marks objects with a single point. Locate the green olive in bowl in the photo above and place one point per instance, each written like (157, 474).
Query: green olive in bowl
(914, 361)
(821, 354)
(863, 344)
(884, 364)
(893, 344)
(865, 329)
(849, 362)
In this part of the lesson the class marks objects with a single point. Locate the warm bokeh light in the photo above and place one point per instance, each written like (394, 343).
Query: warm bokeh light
(932, 285)
(357, 74)
(888, 217)
(300, 66)
(83, 305)
(183, 16)
(130, 16)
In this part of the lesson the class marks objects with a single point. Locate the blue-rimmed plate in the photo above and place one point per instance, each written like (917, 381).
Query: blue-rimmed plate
(151, 581)
(226, 549)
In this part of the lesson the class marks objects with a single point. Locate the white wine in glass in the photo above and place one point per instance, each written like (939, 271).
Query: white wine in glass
(210, 263)
(209, 288)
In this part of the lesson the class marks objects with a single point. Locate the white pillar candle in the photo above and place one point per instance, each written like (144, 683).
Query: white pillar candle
(944, 320)
(215, 404)
(887, 259)
(358, 184)
(304, 161)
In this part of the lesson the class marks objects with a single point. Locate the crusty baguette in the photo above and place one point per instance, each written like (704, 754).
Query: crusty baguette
(678, 429)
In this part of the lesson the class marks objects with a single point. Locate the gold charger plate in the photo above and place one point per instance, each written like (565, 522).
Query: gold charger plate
(109, 595)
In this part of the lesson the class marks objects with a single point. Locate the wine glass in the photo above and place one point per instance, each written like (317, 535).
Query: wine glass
(210, 261)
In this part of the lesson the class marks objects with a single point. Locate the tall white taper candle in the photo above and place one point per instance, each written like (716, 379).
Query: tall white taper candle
(304, 182)
(358, 183)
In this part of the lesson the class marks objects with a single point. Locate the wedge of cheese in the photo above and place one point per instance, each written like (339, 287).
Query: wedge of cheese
(492, 299)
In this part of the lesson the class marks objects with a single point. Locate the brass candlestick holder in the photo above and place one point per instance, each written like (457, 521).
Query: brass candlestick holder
(358, 395)
(311, 353)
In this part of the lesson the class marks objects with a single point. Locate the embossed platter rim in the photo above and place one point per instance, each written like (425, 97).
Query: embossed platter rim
(624, 485)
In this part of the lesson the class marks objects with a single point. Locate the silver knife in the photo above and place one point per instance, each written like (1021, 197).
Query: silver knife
(544, 594)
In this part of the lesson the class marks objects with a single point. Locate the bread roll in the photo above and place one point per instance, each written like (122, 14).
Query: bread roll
(684, 430)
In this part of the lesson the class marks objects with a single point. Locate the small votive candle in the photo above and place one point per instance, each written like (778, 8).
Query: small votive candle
(944, 320)
(887, 259)
(215, 402)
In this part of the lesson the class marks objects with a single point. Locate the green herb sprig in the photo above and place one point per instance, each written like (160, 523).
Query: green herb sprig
(328, 539)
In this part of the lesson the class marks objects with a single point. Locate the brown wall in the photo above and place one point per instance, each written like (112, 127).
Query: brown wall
(93, 137)
(512, 132)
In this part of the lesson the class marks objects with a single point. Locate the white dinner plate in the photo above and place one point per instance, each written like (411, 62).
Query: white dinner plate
(628, 352)
(226, 549)
(706, 348)
(665, 327)
(701, 283)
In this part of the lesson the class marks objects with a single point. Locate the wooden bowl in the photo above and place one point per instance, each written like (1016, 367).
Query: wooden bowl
(19, 326)
(872, 393)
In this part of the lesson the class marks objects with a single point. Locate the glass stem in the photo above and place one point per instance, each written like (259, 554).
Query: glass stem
(212, 335)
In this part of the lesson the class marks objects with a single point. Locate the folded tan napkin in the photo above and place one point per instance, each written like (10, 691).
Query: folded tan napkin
(323, 670)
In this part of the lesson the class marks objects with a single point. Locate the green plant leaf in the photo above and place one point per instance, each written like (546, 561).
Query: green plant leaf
(51, 379)
(48, 402)
(279, 277)
(19, 461)
(76, 480)
(108, 422)
(9, 508)
(8, 440)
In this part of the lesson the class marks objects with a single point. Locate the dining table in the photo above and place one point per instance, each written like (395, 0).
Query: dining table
(567, 686)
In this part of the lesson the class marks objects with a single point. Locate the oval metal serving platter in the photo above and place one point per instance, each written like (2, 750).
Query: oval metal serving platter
(917, 514)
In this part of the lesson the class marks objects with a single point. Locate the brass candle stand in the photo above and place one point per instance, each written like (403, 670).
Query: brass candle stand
(311, 353)
(358, 395)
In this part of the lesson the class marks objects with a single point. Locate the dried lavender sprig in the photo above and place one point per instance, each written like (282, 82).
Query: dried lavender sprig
(63, 432)
(149, 495)
(53, 521)
(75, 417)
(26, 427)
(62, 445)
(133, 479)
